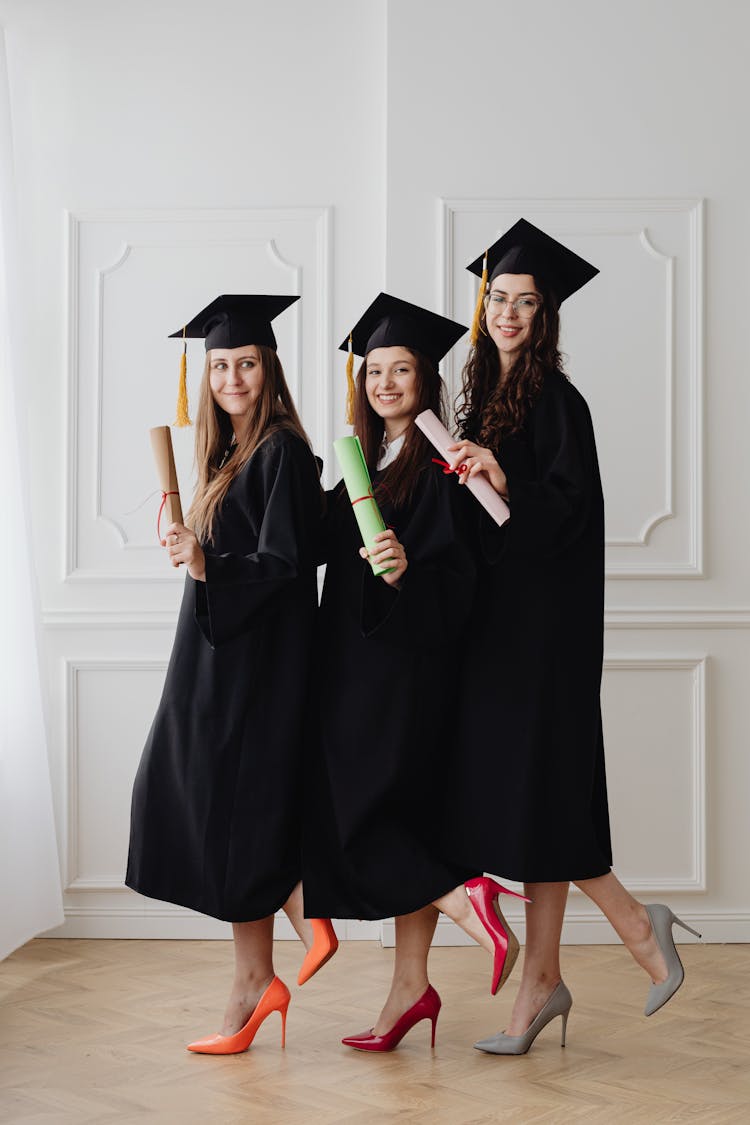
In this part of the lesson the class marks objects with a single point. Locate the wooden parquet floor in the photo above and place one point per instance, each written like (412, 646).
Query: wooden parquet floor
(93, 1032)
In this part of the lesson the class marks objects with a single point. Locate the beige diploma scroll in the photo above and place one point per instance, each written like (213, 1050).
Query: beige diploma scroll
(161, 443)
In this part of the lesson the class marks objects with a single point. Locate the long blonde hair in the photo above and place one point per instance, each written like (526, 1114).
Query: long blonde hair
(274, 410)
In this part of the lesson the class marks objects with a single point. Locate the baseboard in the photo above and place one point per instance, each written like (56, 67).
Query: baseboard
(585, 929)
(171, 923)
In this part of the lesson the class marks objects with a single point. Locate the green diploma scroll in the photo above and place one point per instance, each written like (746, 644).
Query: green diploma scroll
(359, 486)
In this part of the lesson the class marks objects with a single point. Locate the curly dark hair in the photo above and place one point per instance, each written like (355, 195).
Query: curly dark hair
(490, 407)
(400, 477)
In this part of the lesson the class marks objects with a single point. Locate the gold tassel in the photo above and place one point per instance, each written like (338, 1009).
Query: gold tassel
(183, 417)
(350, 385)
(476, 326)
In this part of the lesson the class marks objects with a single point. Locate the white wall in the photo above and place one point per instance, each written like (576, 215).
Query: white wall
(170, 148)
(617, 126)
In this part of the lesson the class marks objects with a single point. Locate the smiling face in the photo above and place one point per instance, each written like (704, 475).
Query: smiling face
(235, 376)
(510, 331)
(391, 386)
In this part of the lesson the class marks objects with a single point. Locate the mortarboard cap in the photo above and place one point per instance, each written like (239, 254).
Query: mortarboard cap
(390, 322)
(230, 321)
(527, 249)
(234, 321)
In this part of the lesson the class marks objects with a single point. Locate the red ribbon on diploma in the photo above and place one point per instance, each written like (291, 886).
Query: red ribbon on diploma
(164, 496)
(446, 467)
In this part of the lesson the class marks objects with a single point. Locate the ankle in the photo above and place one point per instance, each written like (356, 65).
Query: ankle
(251, 981)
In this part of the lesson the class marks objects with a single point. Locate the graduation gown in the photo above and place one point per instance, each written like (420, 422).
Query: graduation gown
(529, 770)
(216, 808)
(386, 689)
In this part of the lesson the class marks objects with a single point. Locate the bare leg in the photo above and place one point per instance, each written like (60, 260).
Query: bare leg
(294, 908)
(541, 962)
(630, 921)
(253, 971)
(457, 906)
(414, 934)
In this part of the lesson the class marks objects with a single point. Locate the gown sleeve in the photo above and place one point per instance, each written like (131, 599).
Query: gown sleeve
(239, 587)
(550, 508)
(430, 607)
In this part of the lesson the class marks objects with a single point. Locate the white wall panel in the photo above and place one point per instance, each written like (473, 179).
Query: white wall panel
(645, 392)
(129, 276)
(110, 704)
(654, 710)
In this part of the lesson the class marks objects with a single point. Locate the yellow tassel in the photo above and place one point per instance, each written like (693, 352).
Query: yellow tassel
(183, 417)
(476, 326)
(350, 385)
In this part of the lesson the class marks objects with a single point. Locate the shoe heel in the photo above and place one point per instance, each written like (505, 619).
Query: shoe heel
(282, 1012)
(564, 1016)
(678, 921)
(434, 1026)
(499, 889)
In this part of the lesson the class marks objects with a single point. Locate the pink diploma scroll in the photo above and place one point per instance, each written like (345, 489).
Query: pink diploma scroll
(161, 443)
(479, 486)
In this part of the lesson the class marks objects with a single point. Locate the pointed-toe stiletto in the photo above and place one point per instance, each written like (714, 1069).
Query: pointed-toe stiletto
(662, 920)
(274, 999)
(559, 1004)
(483, 894)
(325, 943)
(426, 1008)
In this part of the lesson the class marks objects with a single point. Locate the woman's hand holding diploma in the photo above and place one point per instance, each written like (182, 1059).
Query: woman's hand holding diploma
(389, 553)
(475, 459)
(183, 547)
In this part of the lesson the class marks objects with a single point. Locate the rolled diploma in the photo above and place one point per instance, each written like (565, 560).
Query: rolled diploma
(359, 486)
(479, 486)
(161, 443)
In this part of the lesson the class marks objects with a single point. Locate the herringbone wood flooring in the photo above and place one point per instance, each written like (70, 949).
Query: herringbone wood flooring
(94, 1031)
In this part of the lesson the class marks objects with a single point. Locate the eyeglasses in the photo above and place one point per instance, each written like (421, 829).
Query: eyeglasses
(523, 307)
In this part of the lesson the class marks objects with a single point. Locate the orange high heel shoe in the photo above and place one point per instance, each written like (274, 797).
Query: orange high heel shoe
(325, 943)
(483, 895)
(274, 999)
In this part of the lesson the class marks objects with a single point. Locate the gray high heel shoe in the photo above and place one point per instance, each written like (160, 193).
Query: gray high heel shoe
(662, 920)
(559, 1004)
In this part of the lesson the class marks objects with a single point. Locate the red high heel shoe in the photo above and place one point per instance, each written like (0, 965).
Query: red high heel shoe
(426, 1008)
(325, 943)
(483, 894)
(274, 999)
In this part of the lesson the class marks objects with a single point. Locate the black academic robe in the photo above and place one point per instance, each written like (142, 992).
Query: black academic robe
(216, 805)
(529, 769)
(386, 681)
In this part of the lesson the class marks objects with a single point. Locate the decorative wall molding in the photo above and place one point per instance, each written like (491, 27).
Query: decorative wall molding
(657, 618)
(696, 665)
(198, 232)
(72, 879)
(648, 551)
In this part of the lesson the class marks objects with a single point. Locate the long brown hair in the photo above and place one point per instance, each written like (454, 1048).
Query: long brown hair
(400, 477)
(274, 410)
(492, 406)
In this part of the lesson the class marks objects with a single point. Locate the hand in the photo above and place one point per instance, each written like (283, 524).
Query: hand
(387, 552)
(474, 459)
(183, 547)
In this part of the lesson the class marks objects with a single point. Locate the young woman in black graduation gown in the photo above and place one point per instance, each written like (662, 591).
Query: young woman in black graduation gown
(216, 808)
(531, 777)
(386, 672)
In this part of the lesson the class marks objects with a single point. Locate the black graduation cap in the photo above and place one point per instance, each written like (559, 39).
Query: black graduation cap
(390, 322)
(236, 320)
(527, 249)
